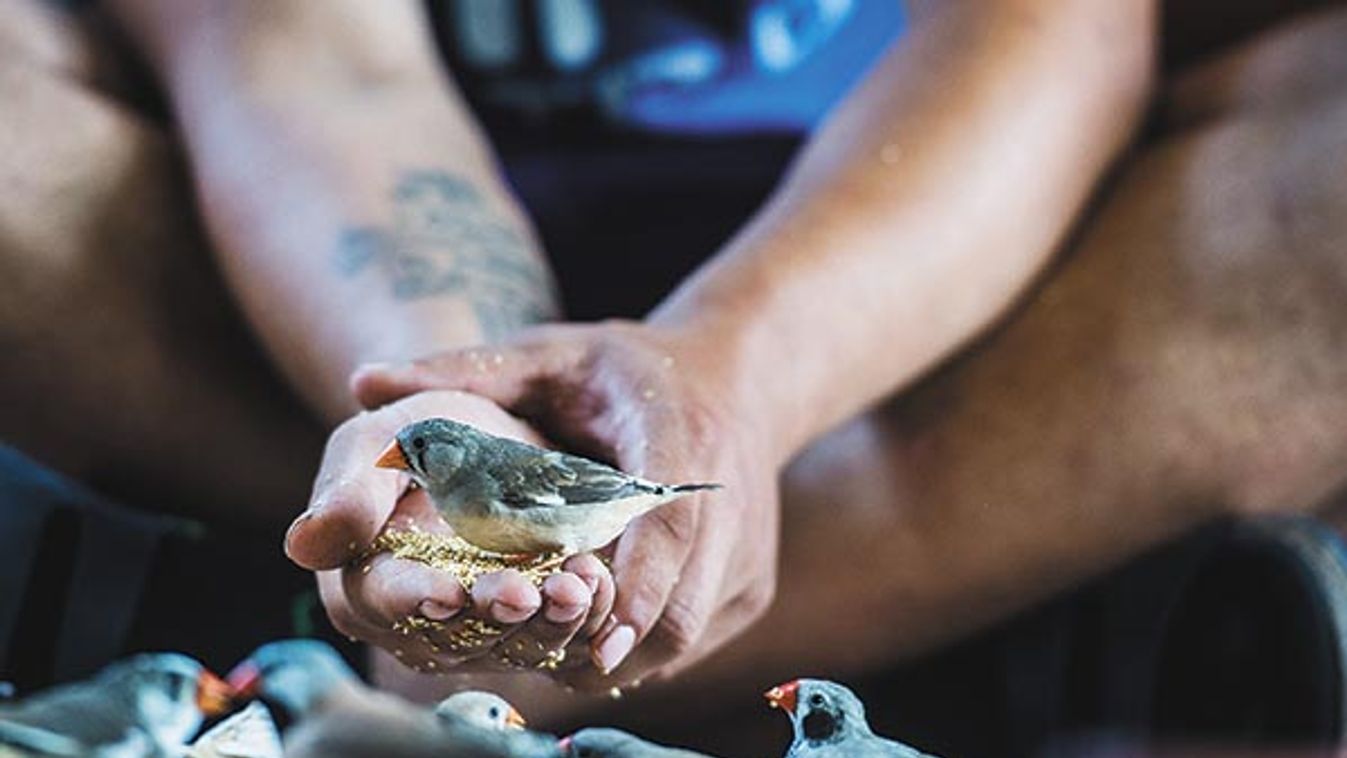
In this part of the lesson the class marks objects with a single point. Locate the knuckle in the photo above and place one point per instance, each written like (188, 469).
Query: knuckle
(679, 628)
(759, 597)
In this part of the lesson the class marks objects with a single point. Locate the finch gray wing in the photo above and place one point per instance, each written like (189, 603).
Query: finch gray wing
(535, 477)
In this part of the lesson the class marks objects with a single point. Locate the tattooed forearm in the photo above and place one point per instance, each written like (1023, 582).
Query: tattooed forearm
(445, 240)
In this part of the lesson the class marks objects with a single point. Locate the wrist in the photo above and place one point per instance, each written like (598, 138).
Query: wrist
(754, 388)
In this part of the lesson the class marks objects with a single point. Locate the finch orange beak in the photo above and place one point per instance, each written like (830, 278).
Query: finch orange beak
(514, 719)
(783, 696)
(392, 457)
(245, 680)
(213, 694)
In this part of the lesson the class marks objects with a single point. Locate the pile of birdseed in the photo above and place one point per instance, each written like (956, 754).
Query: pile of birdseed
(467, 562)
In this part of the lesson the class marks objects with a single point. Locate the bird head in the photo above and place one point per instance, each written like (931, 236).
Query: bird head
(169, 695)
(820, 711)
(483, 709)
(431, 450)
(297, 674)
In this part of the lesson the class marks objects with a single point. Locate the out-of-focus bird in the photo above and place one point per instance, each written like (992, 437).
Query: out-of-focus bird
(829, 722)
(343, 733)
(250, 733)
(147, 706)
(302, 676)
(485, 710)
(335, 714)
(615, 743)
(511, 497)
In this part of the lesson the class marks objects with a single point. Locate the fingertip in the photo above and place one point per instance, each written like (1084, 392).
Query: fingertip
(445, 597)
(566, 590)
(375, 384)
(318, 541)
(589, 569)
(610, 650)
(506, 593)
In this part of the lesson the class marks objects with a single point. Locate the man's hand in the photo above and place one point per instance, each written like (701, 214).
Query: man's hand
(690, 575)
(505, 622)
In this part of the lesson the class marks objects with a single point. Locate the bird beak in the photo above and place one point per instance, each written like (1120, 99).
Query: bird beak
(245, 680)
(392, 457)
(514, 719)
(564, 745)
(213, 694)
(783, 696)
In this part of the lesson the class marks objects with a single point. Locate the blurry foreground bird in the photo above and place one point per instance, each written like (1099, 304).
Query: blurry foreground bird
(335, 714)
(614, 743)
(301, 676)
(342, 733)
(829, 722)
(511, 497)
(144, 707)
(250, 733)
(485, 710)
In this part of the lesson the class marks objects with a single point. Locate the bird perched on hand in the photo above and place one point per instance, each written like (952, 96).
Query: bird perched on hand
(147, 706)
(485, 710)
(829, 722)
(615, 743)
(512, 497)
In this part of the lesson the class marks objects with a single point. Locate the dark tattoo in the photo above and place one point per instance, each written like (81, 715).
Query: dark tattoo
(444, 240)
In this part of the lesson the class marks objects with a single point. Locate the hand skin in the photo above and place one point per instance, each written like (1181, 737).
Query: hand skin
(691, 573)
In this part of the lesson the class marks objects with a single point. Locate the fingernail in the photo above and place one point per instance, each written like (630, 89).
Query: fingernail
(562, 614)
(508, 614)
(299, 520)
(436, 611)
(592, 582)
(614, 648)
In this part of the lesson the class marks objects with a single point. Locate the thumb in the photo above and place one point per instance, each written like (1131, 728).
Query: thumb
(352, 498)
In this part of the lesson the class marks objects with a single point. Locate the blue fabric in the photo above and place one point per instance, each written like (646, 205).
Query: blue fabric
(797, 60)
(668, 66)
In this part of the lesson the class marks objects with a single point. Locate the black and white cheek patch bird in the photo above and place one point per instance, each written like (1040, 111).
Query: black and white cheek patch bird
(149, 705)
(511, 497)
(829, 722)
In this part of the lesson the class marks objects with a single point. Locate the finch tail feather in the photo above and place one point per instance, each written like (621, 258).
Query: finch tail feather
(696, 487)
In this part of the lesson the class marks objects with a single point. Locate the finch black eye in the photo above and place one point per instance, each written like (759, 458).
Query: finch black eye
(419, 443)
(816, 700)
(495, 712)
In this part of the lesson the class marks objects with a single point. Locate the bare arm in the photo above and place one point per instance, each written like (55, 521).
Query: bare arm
(358, 212)
(911, 221)
(924, 205)
(359, 216)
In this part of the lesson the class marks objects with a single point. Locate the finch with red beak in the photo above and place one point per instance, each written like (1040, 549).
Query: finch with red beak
(829, 722)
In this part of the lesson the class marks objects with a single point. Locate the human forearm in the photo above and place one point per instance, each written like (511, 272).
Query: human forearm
(924, 205)
(357, 211)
